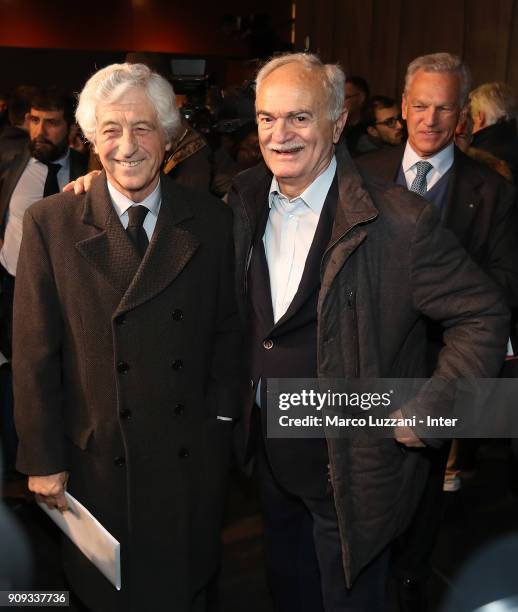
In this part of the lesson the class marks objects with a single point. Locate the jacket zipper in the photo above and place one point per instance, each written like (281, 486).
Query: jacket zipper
(333, 244)
(341, 515)
(351, 302)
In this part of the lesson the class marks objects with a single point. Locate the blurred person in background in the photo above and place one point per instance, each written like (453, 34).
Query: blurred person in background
(43, 167)
(493, 110)
(239, 142)
(383, 126)
(356, 95)
(15, 137)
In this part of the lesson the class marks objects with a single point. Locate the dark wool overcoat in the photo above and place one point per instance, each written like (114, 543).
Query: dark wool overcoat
(388, 264)
(121, 369)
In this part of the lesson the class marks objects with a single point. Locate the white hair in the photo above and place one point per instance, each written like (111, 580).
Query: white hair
(496, 100)
(333, 77)
(109, 84)
(441, 62)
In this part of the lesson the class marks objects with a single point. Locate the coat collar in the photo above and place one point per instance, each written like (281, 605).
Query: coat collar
(111, 252)
(355, 206)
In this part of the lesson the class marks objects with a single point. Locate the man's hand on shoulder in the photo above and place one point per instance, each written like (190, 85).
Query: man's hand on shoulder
(82, 184)
(50, 489)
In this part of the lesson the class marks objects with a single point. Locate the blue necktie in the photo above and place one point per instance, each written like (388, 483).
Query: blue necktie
(419, 183)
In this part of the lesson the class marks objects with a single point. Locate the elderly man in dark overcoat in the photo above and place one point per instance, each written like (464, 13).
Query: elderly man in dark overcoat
(125, 353)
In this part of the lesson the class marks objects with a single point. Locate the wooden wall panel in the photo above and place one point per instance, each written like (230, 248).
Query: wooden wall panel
(384, 60)
(428, 28)
(512, 57)
(488, 36)
(353, 35)
(324, 29)
(378, 38)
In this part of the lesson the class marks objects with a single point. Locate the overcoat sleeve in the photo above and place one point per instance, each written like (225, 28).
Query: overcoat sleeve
(37, 375)
(447, 286)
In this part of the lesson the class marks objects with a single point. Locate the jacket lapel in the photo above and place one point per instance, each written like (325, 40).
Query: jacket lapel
(259, 276)
(114, 256)
(310, 281)
(463, 198)
(110, 251)
(169, 251)
(11, 180)
(354, 209)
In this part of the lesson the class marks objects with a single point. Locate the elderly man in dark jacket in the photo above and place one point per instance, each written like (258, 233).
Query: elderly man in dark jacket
(335, 274)
(125, 353)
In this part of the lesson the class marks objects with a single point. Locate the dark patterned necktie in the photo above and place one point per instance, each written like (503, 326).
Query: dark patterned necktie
(419, 183)
(51, 182)
(135, 229)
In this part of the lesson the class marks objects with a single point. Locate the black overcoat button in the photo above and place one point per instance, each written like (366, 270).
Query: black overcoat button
(268, 344)
(122, 367)
(119, 461)
(125, 413)
(183, 453)
(177, 364)
(177, 314)
(179, 409)
(120, 320)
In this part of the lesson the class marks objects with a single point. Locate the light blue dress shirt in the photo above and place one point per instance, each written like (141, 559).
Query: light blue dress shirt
(441, 163)
(288, 236)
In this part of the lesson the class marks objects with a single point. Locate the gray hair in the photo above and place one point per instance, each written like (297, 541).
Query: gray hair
(441, 62)
(496, 100)
(333, 77)
(110, 84)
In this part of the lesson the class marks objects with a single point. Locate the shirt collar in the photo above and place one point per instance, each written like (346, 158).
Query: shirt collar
(315, 194)
(63, 161)
(121, 203)
(441, 161)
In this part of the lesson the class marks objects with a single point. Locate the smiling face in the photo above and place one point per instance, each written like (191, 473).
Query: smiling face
(296, 135)
(131, 144)
(431, 109)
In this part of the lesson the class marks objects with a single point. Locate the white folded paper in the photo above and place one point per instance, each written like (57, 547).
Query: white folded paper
(3, 359)
(92, 539)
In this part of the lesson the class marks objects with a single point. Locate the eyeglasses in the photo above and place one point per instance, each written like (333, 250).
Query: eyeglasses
(390, 122)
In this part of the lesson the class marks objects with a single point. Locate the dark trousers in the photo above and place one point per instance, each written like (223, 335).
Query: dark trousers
(412, 552)
(8, 438)
(304, 556)
(6, 311)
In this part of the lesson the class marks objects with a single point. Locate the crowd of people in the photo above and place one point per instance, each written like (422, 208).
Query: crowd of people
(317, 232)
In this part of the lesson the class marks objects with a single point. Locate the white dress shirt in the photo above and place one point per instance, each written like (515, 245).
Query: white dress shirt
(121, 204)
(441, 163)
(28, 190)
(288, 236)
